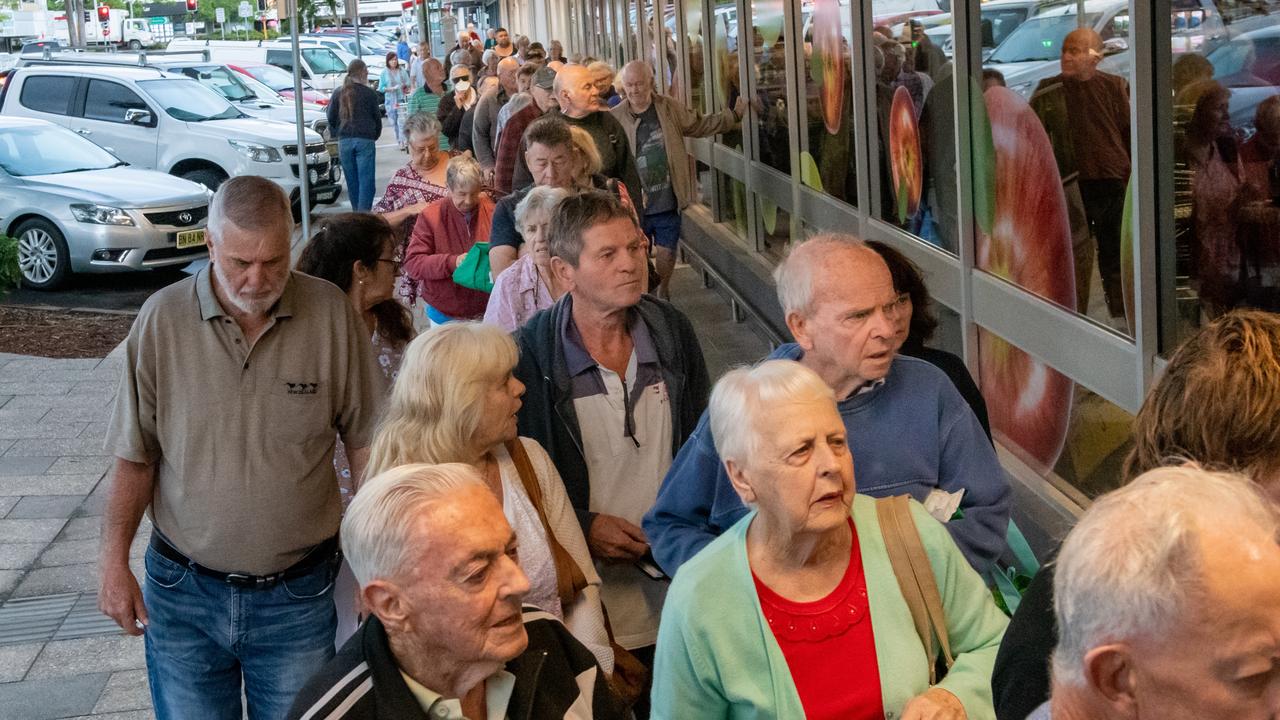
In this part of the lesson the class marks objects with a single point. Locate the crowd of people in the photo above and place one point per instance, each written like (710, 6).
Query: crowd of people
(467, 461)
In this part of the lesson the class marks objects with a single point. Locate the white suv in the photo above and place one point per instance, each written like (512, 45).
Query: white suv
(165, 121)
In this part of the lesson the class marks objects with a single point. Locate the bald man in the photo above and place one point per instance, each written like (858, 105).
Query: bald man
(579, 105)
(483, 134)
(656, 126)
(1086, 114)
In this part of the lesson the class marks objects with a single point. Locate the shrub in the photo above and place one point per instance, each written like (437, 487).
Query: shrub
(10, 274)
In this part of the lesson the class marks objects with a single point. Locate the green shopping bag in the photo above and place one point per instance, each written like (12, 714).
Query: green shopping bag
(1009, 582)
(473, 271)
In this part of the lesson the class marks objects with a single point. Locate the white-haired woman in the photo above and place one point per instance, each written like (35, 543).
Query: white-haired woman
(529, 285)
(443, 234)
(455, 400)
(796, 611)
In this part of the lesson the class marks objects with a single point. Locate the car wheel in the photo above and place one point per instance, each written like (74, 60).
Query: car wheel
(135, 45)
(211, 179)
(42, 254)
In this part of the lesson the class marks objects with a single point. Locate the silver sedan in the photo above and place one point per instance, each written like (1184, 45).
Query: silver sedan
(75, 207)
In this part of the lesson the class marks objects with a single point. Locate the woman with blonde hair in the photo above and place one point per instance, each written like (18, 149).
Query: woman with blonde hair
(456, 401)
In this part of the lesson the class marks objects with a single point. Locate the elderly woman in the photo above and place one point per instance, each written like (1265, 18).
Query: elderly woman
(456, 401)
(529, 285)
(587, 167)
(445, 231)
(796, 610)
(415, 186)
(455, 103)
(1235, 361)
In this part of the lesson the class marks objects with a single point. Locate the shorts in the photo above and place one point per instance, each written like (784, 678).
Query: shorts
(663, 229)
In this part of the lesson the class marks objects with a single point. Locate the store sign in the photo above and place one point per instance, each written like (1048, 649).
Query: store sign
(164, 9)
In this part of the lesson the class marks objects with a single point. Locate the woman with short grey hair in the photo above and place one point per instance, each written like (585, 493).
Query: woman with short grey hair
(443, 235)
(797, 610)
(528, 285)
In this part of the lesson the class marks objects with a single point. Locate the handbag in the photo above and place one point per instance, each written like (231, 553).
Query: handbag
(473, 271)
(915, 579)
(629, 676)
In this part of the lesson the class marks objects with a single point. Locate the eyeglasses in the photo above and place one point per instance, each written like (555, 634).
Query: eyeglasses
(394, 262)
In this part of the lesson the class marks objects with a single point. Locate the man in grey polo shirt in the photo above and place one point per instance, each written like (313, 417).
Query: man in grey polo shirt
(615, 383)
(238, 380)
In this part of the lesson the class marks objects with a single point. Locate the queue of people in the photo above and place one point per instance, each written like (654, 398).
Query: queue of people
(467, 461)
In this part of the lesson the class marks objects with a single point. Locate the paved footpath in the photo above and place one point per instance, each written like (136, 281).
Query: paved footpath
(59, 657)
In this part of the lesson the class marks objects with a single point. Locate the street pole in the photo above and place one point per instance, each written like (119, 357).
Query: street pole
(303, 171)
(355, 22)
(423, 33)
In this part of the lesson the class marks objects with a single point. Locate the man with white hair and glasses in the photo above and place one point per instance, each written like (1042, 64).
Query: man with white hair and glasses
(447, 637)
(910, 431)
(236, 384)
(1167, 596)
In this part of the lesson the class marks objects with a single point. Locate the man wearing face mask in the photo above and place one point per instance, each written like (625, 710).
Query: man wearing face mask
(447, 636)
(580, 105)
(454, 106)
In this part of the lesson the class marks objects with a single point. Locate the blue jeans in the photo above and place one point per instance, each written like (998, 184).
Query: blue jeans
(357, 156)
(393, 117)
(205, 635)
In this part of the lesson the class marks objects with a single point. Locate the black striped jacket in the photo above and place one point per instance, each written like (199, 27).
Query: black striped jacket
(553, 675)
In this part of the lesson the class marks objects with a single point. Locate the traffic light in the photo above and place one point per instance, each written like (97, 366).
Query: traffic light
(191, 5)
(104, 13)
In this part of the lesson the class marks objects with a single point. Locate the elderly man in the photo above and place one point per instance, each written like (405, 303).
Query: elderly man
(237, 383)
(615, 382)
(1167, 596)
(656, 126)
(464, 45)
(484, 130)
(1086, 114)
(447, 638)
(910, 431)
(579, 105)
(550, 154)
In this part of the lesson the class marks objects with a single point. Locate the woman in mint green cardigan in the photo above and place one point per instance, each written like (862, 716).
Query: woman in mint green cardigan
(721, 652)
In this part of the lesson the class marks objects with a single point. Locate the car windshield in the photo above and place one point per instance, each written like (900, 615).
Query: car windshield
(272, 76)
(189, 101)
(50, 150)
(222, 80)
(1038, 39)
(324, 61)
(261, 90)
(1002, 22)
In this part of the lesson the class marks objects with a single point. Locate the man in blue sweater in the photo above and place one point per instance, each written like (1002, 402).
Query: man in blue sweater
(909, 429)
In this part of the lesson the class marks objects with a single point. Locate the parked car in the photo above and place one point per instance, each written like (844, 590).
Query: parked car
(321, 67)
(76, 208)
(371, 53)
(281, 81)
(165, 121)
(260, 101)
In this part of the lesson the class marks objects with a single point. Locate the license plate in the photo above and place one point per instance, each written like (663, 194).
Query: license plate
(326, 196)
(190, 238)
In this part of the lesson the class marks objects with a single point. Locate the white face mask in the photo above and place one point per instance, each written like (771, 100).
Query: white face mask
(462, 86)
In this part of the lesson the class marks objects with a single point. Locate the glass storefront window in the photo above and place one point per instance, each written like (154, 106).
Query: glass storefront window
(1225, 74)
(1052, 162)
(826, 138)
(775, 228)
(725, 79)
(769, 67)
(694, 54)
(1059, 429)
(913, 124)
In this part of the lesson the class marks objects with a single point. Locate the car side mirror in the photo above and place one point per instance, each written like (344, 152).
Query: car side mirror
(1112, 46)
(137, 117)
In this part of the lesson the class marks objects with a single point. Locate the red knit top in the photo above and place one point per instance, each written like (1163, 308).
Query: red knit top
(830, 646)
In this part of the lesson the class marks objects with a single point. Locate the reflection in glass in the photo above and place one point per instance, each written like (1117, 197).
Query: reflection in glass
(769, 63)
(1059, 429)
(775, 228)
(693, 47)
(1225, 77)
(915, 121)
(826, 139)
(724, 68)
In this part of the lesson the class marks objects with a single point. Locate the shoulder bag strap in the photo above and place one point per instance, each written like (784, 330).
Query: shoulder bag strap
(914, 573)
(570, 579)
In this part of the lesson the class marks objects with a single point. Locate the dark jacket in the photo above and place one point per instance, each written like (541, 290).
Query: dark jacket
(1020, 679)
(366, 115)
(363, 682)
(450, 117)
(616, 159)
(548, 414)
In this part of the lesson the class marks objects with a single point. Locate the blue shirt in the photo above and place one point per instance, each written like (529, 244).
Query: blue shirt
(402, 51)
(909, 435)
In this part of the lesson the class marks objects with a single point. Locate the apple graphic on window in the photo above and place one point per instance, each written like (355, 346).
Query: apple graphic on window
(1028, 243)
(828, 63)
(906, 161)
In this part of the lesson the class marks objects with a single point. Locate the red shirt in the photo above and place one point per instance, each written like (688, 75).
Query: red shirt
(830, 646)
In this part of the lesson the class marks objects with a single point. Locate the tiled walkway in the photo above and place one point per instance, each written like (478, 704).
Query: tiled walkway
(59, 658)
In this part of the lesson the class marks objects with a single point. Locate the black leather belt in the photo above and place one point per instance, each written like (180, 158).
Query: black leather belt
(326, 551)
